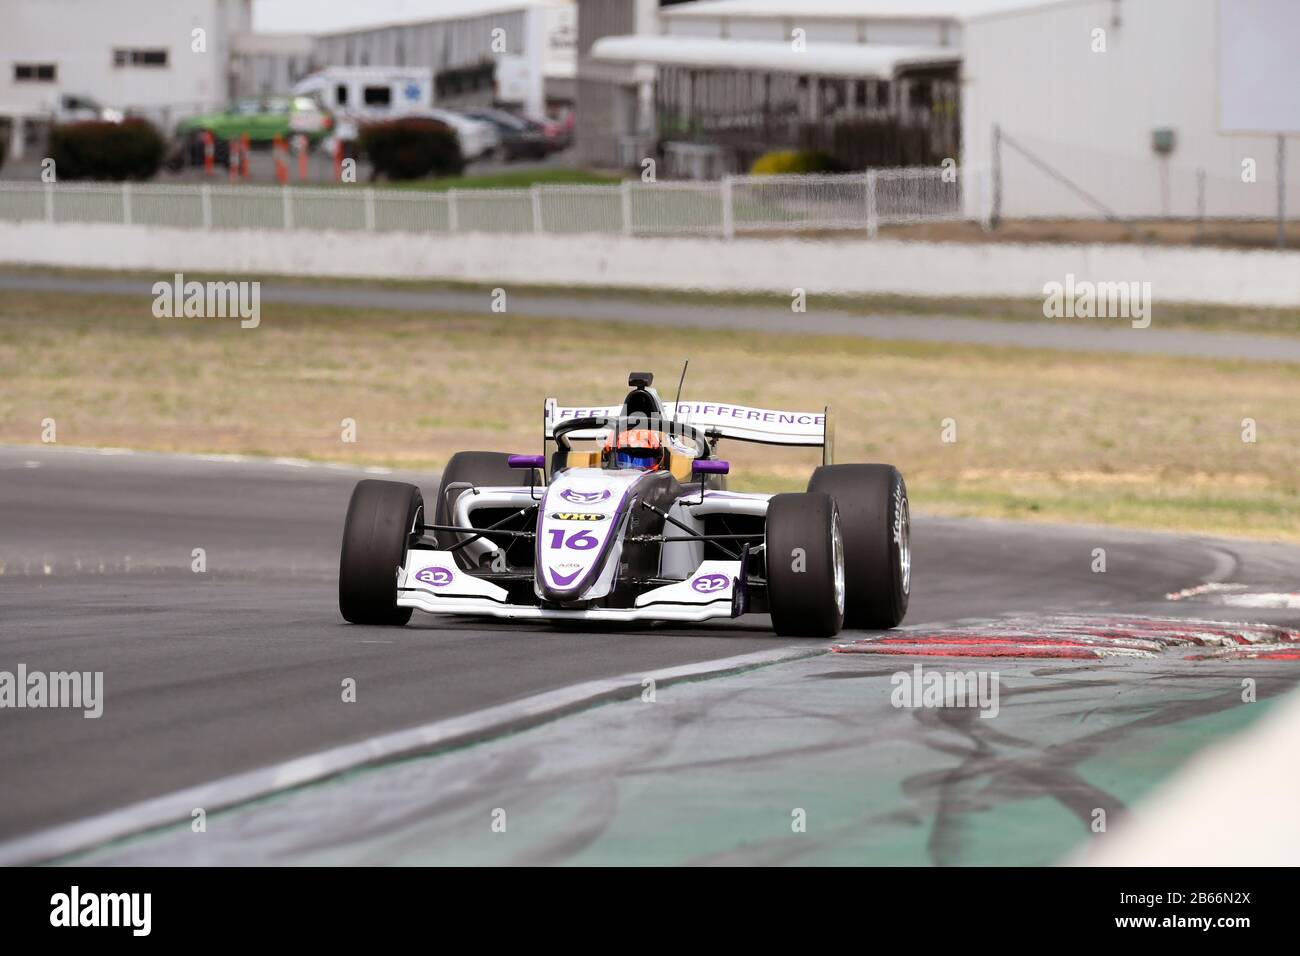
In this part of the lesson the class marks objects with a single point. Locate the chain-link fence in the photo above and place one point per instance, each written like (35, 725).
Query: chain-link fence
(1045, 179)
(733, 205)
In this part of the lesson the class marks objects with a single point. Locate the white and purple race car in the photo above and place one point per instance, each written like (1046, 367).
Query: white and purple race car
(626, 516)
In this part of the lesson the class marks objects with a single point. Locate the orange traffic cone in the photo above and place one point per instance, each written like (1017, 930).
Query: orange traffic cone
(281, 167)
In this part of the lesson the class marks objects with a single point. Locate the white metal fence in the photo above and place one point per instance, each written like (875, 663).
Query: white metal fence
(735, 204)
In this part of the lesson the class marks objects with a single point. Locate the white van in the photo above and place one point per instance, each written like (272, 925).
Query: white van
(370, 92)
(361, 94)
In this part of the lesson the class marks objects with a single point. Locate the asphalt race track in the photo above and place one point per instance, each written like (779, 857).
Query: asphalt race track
(612, 307)
(239, 667)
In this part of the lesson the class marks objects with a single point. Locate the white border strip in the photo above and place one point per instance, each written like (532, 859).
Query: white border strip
(220, 457)
(1231, 804)
(60, 841)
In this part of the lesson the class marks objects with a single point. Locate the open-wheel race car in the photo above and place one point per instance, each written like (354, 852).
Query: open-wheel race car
(626, 516)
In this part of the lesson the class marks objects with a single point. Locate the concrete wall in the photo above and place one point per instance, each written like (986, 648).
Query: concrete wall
(771, 265)
(263, 64)
(608, 93)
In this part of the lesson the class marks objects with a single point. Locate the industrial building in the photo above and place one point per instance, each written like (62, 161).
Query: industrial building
(480, 51)
(138, 54)
(1077, 107)
(166, 59)
(872, 82)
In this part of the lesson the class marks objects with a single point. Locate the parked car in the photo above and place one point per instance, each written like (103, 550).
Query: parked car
(75, 108)
(261, 119)
(521, 138)
(558, 130)
(356, 95)
(477, 139)
(369, 92)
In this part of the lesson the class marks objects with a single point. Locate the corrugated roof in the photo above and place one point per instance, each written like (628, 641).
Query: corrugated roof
(346, 16)
(829, 59)
(850, 9)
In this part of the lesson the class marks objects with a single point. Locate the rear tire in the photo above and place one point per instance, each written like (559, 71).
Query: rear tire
(805, 565)
(376, 535)
(876, 520)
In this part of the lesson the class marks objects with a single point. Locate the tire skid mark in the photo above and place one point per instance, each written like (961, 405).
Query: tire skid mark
(990, 778)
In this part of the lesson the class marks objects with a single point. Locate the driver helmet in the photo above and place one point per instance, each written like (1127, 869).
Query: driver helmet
(634, 448)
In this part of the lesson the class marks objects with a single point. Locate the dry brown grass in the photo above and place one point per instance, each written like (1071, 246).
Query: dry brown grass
(1134, 440)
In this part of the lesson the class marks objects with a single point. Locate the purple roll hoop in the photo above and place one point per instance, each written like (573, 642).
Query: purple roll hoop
(710, 466)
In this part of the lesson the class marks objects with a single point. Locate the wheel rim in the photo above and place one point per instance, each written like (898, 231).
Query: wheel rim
(837, 562)
(905, 545)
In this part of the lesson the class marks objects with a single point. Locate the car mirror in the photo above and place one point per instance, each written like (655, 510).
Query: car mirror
(527, 461)
(710, 466)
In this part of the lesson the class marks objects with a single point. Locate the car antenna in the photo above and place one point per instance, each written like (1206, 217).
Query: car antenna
(677, 402)
(681, 381)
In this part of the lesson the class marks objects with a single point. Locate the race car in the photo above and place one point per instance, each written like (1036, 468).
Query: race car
(627, 516)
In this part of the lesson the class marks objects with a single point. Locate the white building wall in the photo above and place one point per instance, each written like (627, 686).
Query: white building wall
(827, 31)
(441, 45)
(903, 33)
(737, 29)
(682, 27)
(79, 36)
(1090, 115)
(615, 101)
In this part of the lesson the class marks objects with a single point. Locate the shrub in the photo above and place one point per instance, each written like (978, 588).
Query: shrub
(99, 150)
(793, 161)
(412, 149)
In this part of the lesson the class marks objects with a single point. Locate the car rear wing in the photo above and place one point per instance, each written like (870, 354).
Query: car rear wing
(767, 426)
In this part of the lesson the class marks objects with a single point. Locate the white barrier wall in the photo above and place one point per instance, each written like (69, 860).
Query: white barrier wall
(840, 266)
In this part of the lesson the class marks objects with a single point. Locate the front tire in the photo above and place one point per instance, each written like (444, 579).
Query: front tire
(383, 516)
(877, 525)
(482, 469)
(805, 565)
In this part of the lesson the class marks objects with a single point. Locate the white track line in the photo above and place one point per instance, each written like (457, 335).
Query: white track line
(175, 807)
(281, 461)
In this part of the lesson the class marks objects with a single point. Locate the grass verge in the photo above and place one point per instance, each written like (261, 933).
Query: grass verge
(508, 179)
(1127, 440)
(1256, 320)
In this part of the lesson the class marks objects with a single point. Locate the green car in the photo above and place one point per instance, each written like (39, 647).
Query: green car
(262, 119)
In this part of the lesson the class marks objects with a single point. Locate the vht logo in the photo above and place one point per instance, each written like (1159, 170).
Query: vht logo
(577, 516)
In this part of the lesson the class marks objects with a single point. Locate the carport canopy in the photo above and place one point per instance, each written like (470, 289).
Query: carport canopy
(848, 60)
